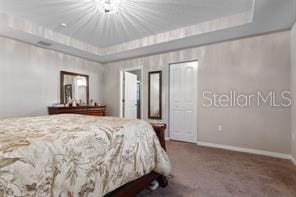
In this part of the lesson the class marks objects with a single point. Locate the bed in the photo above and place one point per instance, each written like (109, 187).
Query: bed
(76, 155)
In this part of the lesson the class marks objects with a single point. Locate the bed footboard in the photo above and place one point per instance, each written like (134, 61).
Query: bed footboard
(160, 132)
(133, 188)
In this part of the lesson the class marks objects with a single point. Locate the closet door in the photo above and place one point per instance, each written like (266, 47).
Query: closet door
(183, 101)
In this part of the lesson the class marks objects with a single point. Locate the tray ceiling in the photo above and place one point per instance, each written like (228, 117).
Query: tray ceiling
(135, 19)
(141, 27)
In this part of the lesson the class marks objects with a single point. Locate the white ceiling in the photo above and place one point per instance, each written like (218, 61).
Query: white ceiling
(142, 27)
(136, 18)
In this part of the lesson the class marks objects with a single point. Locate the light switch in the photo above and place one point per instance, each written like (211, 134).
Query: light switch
(220, 128)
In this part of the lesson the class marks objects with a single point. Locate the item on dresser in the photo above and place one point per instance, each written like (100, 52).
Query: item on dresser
(92, 102)
(74, 103)
(84, 110)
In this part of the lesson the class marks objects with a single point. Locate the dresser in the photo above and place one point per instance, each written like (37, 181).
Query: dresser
(84, 110)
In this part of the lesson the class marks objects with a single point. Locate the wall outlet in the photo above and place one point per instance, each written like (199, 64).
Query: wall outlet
(220, 128)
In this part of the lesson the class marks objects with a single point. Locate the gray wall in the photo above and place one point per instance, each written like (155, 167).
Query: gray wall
(30, 76)
(247, 65)
(293, 89)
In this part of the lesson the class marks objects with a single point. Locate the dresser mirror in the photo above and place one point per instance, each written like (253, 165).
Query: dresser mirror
(154, 94)
(74, 86)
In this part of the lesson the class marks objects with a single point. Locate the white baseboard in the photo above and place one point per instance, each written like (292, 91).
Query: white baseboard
(247, 150)
(293, 160)
(167, 139)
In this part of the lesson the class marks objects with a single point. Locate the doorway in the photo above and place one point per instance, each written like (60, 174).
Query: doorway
(131, 93)
(183, 101)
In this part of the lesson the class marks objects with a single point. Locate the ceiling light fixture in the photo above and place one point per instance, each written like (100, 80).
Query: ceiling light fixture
(108, 6)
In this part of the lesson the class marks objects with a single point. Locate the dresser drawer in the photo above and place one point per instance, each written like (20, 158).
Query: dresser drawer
(84, 110)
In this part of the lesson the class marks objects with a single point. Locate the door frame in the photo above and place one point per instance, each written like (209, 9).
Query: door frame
(121, 89)
(197, 97)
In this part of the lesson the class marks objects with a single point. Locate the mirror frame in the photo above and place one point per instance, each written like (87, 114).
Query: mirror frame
(160, 94)
(62, 89)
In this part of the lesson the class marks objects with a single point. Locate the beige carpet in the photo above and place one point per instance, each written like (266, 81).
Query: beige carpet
(200, 171)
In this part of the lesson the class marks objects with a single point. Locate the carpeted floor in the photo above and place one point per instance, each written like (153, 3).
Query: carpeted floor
(200, 171)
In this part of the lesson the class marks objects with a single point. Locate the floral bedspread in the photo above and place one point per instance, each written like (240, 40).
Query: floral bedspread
(75, 155)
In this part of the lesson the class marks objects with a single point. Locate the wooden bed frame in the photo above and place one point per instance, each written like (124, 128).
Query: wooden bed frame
(133, 188)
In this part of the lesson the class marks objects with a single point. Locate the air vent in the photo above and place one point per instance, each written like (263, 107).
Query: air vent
(46, 44)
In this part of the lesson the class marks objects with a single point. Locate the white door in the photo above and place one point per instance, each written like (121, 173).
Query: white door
(183, 101)
(130, 95)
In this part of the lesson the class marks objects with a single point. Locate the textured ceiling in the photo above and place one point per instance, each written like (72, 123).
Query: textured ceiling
(136, 18)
